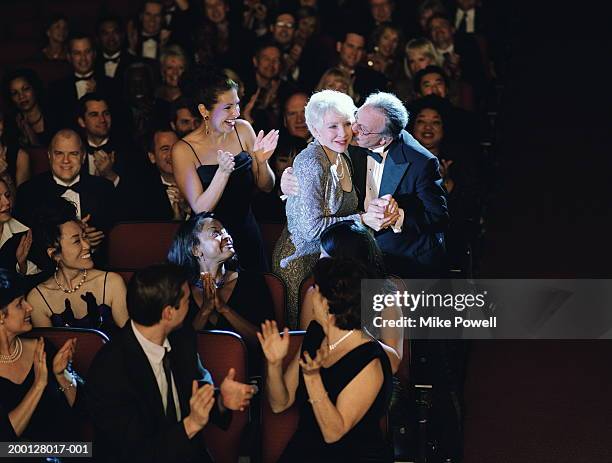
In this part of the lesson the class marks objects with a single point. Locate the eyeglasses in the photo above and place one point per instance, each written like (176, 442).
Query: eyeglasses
(362, 130)
(285, 24)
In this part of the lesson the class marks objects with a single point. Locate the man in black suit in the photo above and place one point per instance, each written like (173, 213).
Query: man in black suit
(94, 197)
(157, 196)
(399, 186)
(113, 59)
(142, 387)
(65, 93)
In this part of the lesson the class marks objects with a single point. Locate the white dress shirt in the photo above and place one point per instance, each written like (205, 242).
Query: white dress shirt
(71, 195)
(81, 85)
(374, 179)
(9, 229)
(149, 48)
(91, 167)
(110, 67)
(471, 15)
(155, 355)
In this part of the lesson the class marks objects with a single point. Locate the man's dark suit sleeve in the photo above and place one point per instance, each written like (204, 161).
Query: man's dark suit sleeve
(432, 217)
(117, 416)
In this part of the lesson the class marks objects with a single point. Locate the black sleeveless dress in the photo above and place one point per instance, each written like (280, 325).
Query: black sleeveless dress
(365, 442)
(234, 209)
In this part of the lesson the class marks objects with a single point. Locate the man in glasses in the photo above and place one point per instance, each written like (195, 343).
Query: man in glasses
(393, 172)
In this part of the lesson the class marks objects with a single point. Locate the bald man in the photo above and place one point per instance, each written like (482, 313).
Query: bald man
(94, 197)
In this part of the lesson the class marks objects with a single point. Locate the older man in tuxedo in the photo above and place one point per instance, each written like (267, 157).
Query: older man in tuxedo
(392, 173)
(94, 197)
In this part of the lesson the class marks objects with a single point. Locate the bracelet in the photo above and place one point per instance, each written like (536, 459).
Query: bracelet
(320, 399)
(72, 383)
(62, 388)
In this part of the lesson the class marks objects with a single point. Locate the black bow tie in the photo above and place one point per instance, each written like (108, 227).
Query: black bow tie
(61, 189)
(376, 156)
(112, 60)
(106, 147)
(78, 79)
(147, 37)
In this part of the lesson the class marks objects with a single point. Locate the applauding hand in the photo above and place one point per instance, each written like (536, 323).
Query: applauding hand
(274, 347)
(63, 357)
(264, 146)
(236, 395)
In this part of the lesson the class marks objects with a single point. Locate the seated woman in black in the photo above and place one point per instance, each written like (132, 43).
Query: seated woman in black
(222, 297)
(37, 392)
(77, 294)
(27, 121)
(340, 379)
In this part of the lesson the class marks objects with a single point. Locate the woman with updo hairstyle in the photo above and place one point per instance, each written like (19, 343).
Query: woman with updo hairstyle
(326, 193)
(37, 386)
(340, 378)
(352, 240)
(76, 294)
(222, 297)
(336, 79)
(218, 165)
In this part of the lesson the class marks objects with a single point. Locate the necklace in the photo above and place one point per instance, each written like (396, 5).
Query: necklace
(68, 290)
(337, 169)
(337, 343)
(13, 356)
(31, 124)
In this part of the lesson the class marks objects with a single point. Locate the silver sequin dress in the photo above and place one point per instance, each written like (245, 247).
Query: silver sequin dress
(320, 203)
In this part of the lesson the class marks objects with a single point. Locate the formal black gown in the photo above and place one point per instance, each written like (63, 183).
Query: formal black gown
(365, 442)
(53, 419)
(234, 209)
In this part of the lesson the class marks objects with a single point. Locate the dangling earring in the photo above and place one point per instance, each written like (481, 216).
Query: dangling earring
(206, 125)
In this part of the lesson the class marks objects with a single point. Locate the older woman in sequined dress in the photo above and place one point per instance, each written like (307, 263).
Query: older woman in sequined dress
(326, 193)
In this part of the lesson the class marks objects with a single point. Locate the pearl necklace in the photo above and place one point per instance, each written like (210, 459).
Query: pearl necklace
(15, 355)
(337, 343)
(76, 288)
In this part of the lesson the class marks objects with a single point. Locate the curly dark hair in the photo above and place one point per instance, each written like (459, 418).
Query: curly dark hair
(49, 217)
(339, 281)
(30, 77)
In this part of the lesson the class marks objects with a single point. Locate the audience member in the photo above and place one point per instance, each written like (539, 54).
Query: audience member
(15, 237)
(37, 388)
(160, 396)
(210, 175)
(461, 55)
(66, 92)
(221, 296)
(77, 294)
(336, 79)
(27, 121)
(57, 33)
(113, 58)
(173, 63)
(182, 118)
(156, 196)
(94, 197)
(147, 36)
(14, 161)
(340, 378)
(385, 42)
(425, 10)
(326, 192)
(418, 54)
(350, 53)
(265, 90)
(462, 126)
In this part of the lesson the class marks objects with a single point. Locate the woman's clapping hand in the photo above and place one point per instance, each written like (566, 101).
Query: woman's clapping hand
(64, 357)
(40, 364)
(226, 161)
(264, 146)
(275, 347)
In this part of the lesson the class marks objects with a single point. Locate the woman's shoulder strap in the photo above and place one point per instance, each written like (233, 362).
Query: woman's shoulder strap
(194, 151)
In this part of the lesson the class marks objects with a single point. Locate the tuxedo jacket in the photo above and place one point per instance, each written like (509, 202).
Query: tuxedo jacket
(97, 197)
(63, 96)
(411, 175)
(125, 59)
(148, 198)
(126, 405)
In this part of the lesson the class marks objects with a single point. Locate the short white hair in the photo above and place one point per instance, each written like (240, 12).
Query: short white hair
(393, 110)
(324, 101)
